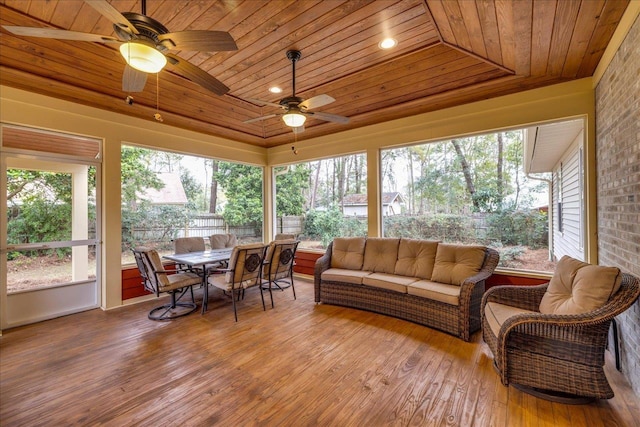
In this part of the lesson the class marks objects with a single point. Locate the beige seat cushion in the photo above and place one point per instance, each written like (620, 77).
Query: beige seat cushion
(348, 252)
(449, 294)
(388, 281)
(455, 263)
(578, 287)
(344, 275)
(380, 254)
(416, 258)
(496, 314)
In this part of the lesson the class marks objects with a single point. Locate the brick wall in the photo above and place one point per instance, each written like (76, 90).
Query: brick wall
(618, 183)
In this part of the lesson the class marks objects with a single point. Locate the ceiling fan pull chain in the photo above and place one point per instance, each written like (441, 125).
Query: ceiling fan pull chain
(157, 115)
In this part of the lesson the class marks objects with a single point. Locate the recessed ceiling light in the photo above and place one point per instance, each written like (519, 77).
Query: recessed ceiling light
(388, 43)
(275, 89)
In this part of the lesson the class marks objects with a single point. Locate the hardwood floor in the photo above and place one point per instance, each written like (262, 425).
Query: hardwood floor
(298, 364)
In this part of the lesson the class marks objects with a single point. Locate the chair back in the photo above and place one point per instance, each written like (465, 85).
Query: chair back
(183, 245)
(284, 236)
(222, 241)
(281, 259)
(151, 270)
(245, 265)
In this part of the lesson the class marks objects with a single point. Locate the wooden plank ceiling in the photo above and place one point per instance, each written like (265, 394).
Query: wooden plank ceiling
(449, 52)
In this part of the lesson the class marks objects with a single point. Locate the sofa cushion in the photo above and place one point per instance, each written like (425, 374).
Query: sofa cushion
(449, 294)
(416, 258)
(380, 254)
(496, 314)
(388, 281)
(348, 252)
(344, 275)
(455, 263)
(578, 287)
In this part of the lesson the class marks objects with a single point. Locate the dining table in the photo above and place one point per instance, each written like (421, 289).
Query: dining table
(198, 261)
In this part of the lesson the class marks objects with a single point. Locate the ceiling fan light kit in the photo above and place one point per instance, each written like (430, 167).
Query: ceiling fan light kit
(144, 43)
(293, 118)
(297, 109)
(143, 57)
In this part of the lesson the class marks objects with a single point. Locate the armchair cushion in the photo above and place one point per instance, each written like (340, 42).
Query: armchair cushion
(348, 252)
(454, 263)
(578, 287)
(496, 314)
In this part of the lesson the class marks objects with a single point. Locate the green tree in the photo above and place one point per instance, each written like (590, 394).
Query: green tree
(136, 174)
(242, 185)
(292, 188)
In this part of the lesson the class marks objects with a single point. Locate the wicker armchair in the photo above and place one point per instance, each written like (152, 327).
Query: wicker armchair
(556, 357)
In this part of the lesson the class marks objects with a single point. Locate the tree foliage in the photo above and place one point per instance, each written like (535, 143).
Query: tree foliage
(242, 185)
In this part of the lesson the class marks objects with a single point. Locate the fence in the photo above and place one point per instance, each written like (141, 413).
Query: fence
(204, 225)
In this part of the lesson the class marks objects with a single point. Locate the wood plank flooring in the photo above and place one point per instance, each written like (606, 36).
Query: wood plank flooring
(300, 364)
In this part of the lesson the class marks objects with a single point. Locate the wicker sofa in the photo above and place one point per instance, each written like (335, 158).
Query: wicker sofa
(426, 282)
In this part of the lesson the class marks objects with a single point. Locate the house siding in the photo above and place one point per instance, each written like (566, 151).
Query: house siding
(568, 241)
(618, 183)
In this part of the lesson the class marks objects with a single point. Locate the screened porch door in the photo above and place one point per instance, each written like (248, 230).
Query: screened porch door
(50, 238)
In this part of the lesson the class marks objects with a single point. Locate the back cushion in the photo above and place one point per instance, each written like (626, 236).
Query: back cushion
(578, 287)
(238, 264)
(221, 241)
(416, 258)
(455, 263)
(348, 252)
(380, 254)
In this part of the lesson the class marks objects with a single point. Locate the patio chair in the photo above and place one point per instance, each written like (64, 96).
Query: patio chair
(284, 236)
(183, 245)
(549, 340)
(222, 241)
(157, 280)
(278, 266)
(245, 271)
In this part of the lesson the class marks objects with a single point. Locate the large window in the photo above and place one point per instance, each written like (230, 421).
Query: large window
(167, 195)
(322, 199)
(470, 190)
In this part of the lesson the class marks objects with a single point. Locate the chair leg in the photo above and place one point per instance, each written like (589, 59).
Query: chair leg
(293, 288)
(264, 308)
(233, 299)
(270, 293)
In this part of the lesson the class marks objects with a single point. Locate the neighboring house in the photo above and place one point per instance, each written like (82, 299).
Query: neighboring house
(356, 204)
(557, 150)
(172, 193)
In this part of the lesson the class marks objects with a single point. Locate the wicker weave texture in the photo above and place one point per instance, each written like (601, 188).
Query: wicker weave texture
(461, 320)
(559, 353)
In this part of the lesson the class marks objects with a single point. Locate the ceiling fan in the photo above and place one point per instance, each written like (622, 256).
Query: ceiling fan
(296, 109)
(144, 43)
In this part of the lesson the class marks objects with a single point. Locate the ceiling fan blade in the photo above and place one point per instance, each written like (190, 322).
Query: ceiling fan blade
(112, 14)
(197, 75)
(52, 33)
(329, 117)
(257, 119)
(202, 40)
(298, 129)
(261, 103)
(133, 80)
(316, 101)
